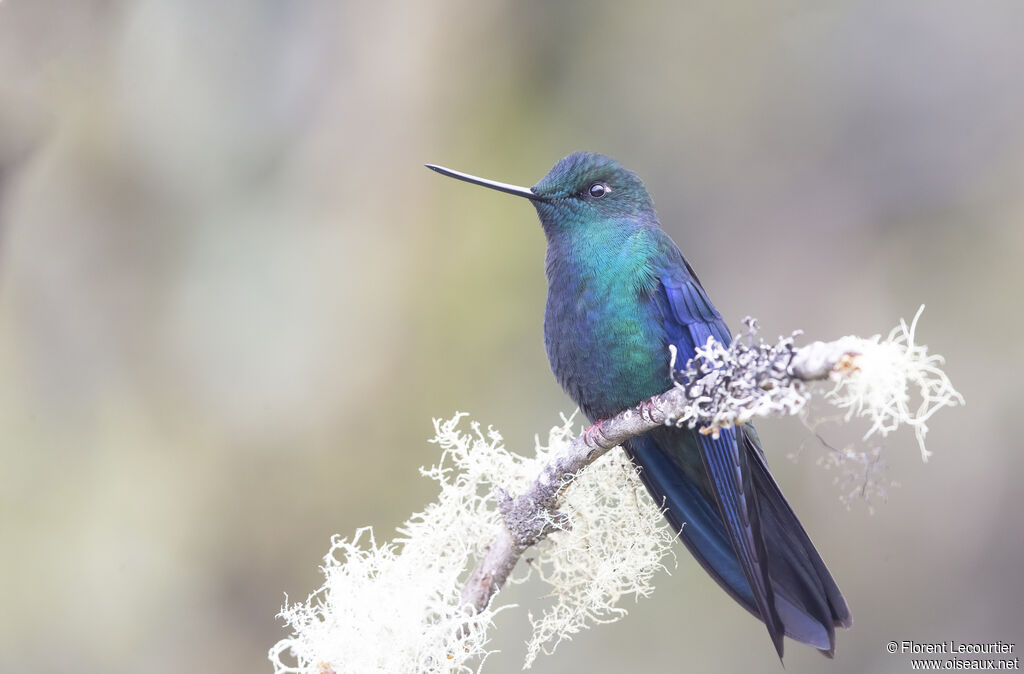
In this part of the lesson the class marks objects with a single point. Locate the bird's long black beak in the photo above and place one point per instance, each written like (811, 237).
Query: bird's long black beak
(493, 184)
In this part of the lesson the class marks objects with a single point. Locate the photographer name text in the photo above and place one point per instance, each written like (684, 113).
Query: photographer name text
(951, 646)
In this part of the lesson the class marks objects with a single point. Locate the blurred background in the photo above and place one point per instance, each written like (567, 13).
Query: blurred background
(232, 298)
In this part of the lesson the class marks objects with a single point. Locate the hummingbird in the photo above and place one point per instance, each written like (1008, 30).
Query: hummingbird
(619, 294)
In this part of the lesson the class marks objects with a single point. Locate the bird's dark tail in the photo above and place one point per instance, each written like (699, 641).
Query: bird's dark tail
(808, 604)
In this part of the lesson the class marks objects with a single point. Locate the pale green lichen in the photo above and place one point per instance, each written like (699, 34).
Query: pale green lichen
(608, 547)
(395, 607)
(883, 379)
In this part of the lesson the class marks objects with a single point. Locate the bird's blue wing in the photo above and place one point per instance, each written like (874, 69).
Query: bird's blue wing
(689, 318)
(687, 313)
(737, 522)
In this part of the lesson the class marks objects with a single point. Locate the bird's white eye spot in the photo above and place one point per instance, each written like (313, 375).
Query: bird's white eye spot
(599, 190)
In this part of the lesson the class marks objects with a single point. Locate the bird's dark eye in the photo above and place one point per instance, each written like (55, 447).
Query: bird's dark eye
(599, 190)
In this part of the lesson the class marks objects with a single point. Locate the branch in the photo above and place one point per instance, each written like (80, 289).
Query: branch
(761, 376)
(407, 604)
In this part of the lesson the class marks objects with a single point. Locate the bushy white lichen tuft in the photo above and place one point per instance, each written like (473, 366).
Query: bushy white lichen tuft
(879, 382)
(875, 378)
(395, 607)
(609, 544)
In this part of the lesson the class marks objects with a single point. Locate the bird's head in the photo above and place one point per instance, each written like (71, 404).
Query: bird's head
(583, 192)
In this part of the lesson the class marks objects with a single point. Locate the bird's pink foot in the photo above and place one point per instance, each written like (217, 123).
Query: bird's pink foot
(592, 434)
(647, 410)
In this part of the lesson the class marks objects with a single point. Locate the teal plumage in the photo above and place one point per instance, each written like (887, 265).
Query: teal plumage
(619, 293)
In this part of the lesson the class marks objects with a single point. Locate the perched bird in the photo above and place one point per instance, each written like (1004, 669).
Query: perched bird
(619, 293)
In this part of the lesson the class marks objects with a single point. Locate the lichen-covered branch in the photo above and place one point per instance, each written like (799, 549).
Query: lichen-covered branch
(720, 387)
(401, 606)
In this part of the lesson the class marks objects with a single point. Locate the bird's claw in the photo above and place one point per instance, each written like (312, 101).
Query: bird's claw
(647, 411)
(592, 433)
